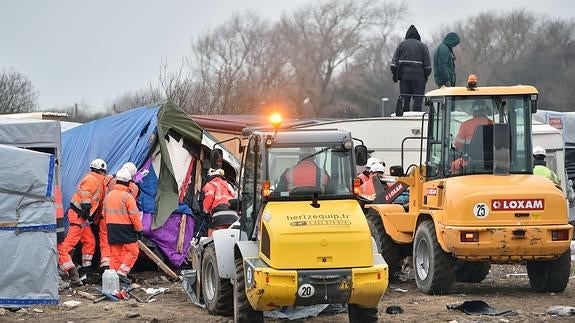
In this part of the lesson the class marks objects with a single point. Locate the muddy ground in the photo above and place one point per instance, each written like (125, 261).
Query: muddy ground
(505, 288)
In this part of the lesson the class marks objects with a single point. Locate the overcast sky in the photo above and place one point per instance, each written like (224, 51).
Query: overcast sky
(91, 52)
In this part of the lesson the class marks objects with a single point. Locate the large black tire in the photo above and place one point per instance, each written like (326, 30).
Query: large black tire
(471, 271)
(217, 292)
(550, 276)
(358, 314)
(243, 310)
(434, 268)
(385, 245)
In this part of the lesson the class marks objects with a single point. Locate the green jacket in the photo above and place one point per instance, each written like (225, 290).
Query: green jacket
(444, 61)
(544, 171)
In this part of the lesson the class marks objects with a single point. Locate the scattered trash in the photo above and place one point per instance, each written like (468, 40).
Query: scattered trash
(37, 310)
(132, 314)
(71, 304)
(3, 311)
(394, 309)
(401, 290)
(560, 310)
(107, 308)
(297, 312)
(335, 309)
(453, 321)
(477, 307)
(504, 320)
(152, 291)
(517, 275)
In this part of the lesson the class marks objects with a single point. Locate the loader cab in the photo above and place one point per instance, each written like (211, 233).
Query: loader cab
(485, 130)
(269, 158)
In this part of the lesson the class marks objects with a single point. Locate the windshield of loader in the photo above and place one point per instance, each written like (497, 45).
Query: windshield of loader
(467, 146)
(303, 171)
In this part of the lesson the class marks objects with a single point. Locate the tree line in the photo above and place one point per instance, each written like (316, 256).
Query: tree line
(331, 59)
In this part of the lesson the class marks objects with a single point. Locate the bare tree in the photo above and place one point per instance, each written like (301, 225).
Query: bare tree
(17, 94)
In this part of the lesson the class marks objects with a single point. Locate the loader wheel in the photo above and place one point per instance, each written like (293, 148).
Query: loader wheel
(243, 311)
(358, 314)
(551, 275)
(385, 245)
(217, 292)
(471, 271)
(434, 272)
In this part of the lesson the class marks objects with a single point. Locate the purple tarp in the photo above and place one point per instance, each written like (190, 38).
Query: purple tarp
(165, 238)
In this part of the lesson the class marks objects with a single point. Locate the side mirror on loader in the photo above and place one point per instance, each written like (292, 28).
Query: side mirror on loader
(396, 171)
(360, 155)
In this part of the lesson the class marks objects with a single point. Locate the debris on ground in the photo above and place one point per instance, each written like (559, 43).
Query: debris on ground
(132, 314)
(71, 304)
(477, 307)
(3, 311)
(560, 310)
(394, 309)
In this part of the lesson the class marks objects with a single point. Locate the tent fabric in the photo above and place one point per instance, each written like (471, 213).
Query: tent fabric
(28, 227)
(129, 136)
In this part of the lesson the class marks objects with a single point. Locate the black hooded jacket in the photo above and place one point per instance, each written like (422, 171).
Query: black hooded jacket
(411, 60)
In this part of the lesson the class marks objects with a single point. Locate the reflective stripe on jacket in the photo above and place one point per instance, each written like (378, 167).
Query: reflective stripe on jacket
(216, 192)
(122, 216)
(90, 190)
(61, 222)
(306, 173)
(133, 188)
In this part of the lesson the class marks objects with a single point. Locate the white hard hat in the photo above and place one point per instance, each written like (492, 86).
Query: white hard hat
(131, 167)
(123, 175)
(99, 164)
(538, 150)
(377, 167)
(371, 161)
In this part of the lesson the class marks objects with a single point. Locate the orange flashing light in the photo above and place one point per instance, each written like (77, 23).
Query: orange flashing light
(266, 190)
(276, 120)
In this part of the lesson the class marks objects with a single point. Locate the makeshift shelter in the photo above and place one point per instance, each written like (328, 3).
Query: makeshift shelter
(170, 151)
(29, 154)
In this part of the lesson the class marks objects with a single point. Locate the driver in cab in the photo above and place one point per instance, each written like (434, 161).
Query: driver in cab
(304, 174)
(480, 113)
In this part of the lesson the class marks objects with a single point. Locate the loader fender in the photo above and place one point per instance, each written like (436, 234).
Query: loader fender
(224, 241)
(246, 249)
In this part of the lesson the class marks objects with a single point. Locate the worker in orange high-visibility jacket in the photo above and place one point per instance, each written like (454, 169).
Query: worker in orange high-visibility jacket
(304, 174)
(84, 206)
(103, 230)
(367, 189)
(124, 225)
(217, 192)
(61, 225)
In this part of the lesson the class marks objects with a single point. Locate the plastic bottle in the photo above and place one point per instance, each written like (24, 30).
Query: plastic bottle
(110, 282)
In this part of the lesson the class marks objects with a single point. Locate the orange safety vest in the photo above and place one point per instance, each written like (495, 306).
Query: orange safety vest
(90, 190)
(363, 178)
(216, 192)
(60, 221)
(306, 173)
(122, 216)
(467, 128)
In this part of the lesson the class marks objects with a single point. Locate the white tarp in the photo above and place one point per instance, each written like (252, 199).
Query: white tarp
(27, 228)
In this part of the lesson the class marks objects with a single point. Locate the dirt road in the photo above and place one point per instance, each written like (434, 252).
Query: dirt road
(505, 288)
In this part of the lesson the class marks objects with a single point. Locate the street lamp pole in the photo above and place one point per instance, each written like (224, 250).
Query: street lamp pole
(383, 100)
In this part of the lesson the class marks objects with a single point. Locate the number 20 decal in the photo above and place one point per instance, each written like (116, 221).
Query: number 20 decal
(306, 290)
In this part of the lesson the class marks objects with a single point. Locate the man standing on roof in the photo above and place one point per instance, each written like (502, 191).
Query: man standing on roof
(124, 225)
(103, 230)
(85, 203)
(540, 165)
(411, 66)
(444, 61)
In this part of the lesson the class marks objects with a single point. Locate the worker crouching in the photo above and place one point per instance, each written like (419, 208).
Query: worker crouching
(124, 225)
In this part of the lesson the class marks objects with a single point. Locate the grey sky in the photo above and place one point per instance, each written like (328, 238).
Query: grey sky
(93, 51)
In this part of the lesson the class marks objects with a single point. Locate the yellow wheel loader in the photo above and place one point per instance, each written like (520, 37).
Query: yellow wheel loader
(302, 237)
(474, 200)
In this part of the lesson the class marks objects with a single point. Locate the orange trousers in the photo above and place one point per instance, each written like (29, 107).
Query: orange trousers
(104, 245)
(123, 257)
(77, 234)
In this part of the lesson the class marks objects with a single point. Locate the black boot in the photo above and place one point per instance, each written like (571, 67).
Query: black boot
(74, 277)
